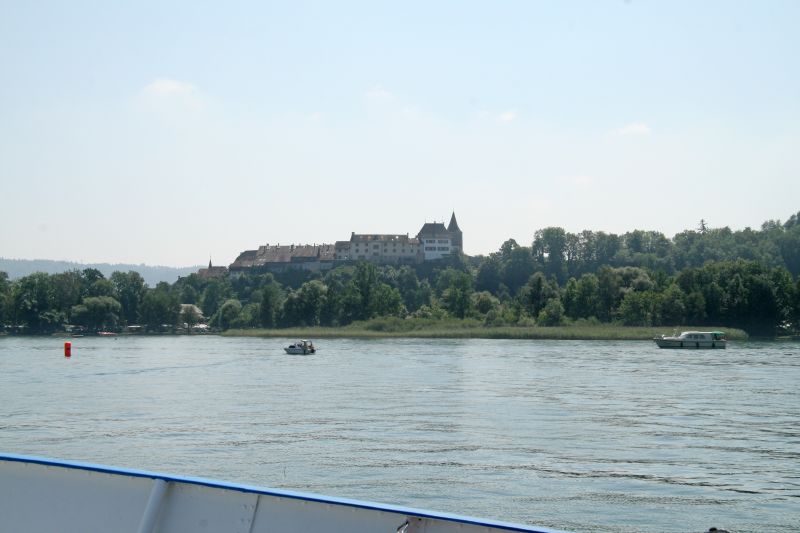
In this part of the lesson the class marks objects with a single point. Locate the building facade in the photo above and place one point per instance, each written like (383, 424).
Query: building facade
(212, 271)
(434, 241)
(438, 241)
(277, 258)
(378, 248)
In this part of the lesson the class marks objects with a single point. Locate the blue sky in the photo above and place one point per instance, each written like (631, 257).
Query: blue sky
(163, 133)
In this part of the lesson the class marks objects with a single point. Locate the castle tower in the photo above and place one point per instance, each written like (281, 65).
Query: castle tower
(456, 237)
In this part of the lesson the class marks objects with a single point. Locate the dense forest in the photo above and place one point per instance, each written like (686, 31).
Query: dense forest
(748, 279)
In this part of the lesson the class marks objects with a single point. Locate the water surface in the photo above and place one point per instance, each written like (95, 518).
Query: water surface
(583, 436)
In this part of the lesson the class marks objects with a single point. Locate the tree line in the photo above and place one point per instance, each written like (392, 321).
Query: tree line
(717, 277)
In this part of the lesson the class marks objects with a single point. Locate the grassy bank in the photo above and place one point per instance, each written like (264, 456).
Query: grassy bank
(473, 329)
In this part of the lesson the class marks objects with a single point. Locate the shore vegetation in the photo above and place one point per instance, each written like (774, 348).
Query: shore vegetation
(470, 329)
(560, 285)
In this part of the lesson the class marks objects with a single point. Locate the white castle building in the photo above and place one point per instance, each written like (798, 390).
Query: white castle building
(434, 241)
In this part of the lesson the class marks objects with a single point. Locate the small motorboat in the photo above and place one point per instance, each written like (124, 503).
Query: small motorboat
(301, 348)
(693, 339)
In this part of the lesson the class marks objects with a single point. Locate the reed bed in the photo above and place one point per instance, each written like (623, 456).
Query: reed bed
(474, 329)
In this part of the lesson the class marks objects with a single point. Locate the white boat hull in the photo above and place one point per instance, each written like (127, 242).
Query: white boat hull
(38, 494)
(302, 347)
(298, 351)
(708, 340)
(688, 344)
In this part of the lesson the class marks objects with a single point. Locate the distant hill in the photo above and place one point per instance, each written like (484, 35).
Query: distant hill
(17, 268)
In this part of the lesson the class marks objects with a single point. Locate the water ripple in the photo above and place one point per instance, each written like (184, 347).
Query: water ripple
(584, 436)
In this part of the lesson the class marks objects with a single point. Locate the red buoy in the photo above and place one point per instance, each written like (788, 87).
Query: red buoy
(67, 349)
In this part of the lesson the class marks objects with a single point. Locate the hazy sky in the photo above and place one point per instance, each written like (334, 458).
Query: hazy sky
(165, 132)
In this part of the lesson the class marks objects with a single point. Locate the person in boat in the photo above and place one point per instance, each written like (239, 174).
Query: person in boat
(311, 347)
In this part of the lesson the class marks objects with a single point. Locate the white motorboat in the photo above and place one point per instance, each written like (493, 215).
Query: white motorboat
(39, 494)
(693, 339)
(301, 348)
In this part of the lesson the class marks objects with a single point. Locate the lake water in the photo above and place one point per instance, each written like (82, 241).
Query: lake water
(582, 436)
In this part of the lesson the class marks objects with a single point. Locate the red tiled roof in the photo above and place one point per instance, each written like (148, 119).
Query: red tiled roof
(284, 254)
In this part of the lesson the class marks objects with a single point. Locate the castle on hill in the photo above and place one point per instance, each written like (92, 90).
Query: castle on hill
(434, 241)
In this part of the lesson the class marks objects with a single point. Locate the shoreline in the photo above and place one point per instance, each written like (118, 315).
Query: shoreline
(382, 329)
(481, 332)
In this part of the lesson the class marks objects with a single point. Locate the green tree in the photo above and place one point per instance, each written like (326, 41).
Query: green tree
(549, 250)
(366, 281)
(484, 302)
(606, 248)
(457, 296)
(89, 276)
(100, 287)
(248, 317)
(608, 293)
(189, 295)
(423, 295)
(570, 298)
(332, 306)
(189, 316)
(506, 249)
(32, 304)
(387, 301)
(695, 305)
(129, 288)
(292, 312)
(270, 305)
(97, 313)
(410, 290)
(159, 307)
(673, 309)
(215, 293)
(350, 305)
(781, 284)
(358, 300)
(190, 288)
(533, 297)
(228, 314)
(303, 307)
(581, 298)
(637, 309)
(552, 314)
(5, 291)
(488, 277)
(796, 308)
(311, 295)
(788, 242)
(633, 278)
(67, 290)
(518, 268)
(743, 294)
